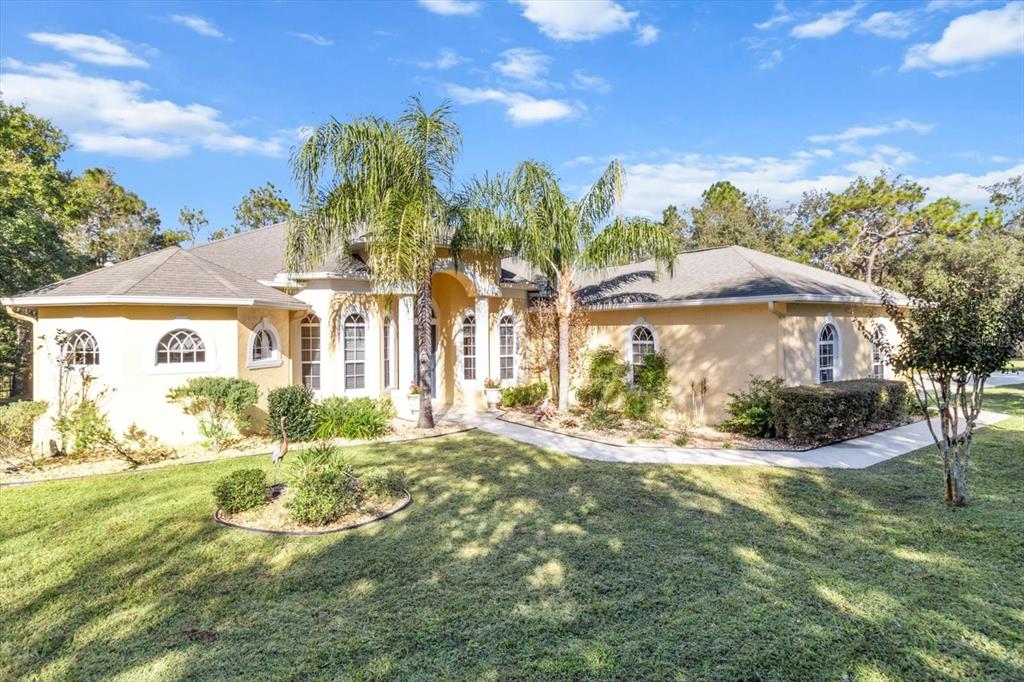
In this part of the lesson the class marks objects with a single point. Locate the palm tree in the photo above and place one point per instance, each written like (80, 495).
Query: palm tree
(529, 216)
(386, 181)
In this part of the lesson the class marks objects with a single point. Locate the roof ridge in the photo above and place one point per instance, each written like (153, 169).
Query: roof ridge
(761, 271)
(153, 267)
(82, 275)
(233, 236)
(210, 268)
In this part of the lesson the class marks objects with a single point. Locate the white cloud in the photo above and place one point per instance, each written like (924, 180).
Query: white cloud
(314, 38)
(585, 81)
(946, 5)
(88, 48)
(520, 108)
(451, 7)
(646, 34)
(771, 61)
(116, 117)
(523, 64)
(571, 20)
(888, 24)
(780, 17)
(197, 24)
(446, 59)
(681, 178)
(827, 24)
(859, 132)
(972, 38)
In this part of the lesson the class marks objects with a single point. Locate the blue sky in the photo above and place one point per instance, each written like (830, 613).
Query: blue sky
(194, 103)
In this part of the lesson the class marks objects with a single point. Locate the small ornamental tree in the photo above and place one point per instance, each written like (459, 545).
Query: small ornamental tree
(962, 320)
(218, 403)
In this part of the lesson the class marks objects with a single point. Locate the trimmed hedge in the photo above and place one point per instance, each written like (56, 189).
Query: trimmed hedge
(838, 411)
(526, 395)
(295, 405)
(241, 490)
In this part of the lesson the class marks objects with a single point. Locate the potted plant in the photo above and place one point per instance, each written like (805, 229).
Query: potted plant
(492, 392)
(414, 399)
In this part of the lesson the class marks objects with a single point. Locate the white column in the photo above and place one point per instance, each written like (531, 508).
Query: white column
(403, 362)
(483, 340)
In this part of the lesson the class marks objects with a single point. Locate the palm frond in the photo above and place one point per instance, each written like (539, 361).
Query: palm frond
(604, 196)
(629, 241)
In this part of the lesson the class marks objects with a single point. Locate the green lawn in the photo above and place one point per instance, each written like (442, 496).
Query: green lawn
(517, 563)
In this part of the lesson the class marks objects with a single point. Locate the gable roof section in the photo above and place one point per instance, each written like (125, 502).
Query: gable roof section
(729, 274)
(169, 276)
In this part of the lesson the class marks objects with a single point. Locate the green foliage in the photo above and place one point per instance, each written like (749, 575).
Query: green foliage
(16, 422)
(85, 426)
(605, 380)
(832, 412)
(260, 207)
(193, 222)
(360, 418)
(382, 482)
(241, 490)
(603, 419)
(322, 486)
(682, 440)
(751, 410)
(220, 404)
(525, 395)
(649, 391)
(727, 216)
(293, 404)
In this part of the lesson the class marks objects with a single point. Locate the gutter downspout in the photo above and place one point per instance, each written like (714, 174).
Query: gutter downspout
(31, 321)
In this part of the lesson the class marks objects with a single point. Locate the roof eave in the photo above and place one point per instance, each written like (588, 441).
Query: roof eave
(738, 300)
(45, 301)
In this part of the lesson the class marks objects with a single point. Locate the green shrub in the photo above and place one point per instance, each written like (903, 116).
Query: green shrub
(681, 441)
(294, 404)
(241, 490)
(382, 482)
(323, 487)
(316, 457)
(16, 422)
(649, 391)
(361, 418)
(86, 427)
(526, 395)
(220, 404)
(603, 419)
(606, 379)
(838, 411)
(751, 410)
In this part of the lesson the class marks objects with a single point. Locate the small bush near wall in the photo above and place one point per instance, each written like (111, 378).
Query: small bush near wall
(295, 405)
(241, 490)
(751, 410)
(838, 411)
(526, 395)
(649, 391)
(360, 418)
(606, 379)
(16, 422)
(219, 404)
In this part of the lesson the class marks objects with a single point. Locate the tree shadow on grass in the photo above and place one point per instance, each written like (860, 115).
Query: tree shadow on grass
(511, 563)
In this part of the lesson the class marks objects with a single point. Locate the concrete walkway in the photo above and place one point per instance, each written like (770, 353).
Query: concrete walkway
(852, 454)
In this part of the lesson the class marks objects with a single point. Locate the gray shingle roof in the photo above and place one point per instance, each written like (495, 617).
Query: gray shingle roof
(159, 277)
(719, 274)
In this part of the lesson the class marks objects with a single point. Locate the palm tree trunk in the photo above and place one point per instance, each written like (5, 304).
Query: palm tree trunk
(563, 308)
(424, 352)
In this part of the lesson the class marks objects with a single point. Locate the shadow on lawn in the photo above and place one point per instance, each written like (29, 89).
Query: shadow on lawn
(517, 563)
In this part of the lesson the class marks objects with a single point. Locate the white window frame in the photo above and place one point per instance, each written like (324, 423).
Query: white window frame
(205, 367)
(876, 356)
(71, 346)
(639, 324)
(461, 356)
(344, 348)
(515, 346)
(388, 357)
(836, 343)
(304, 324)
(275, 359)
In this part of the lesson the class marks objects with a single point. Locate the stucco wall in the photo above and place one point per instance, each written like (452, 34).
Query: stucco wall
(136, 387)
(727, 344)
(270, 375)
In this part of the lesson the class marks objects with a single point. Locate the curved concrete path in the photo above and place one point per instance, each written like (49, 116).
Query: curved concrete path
(858, 453)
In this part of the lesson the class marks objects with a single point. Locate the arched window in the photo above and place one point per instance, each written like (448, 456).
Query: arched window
(264, 346)
(469, 347)
(877, 360)
(354, 351)
(387, 352)
(507, 348)
(828, 339)
(641, 344)
(309, 352)
(80, 349)
(179, 347)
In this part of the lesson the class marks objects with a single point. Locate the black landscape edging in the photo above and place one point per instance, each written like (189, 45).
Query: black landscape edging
(301, 533)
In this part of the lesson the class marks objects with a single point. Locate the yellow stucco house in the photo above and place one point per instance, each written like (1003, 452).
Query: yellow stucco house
(228, 308)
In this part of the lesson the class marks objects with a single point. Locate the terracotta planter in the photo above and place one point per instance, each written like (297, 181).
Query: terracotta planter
(493, 397)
